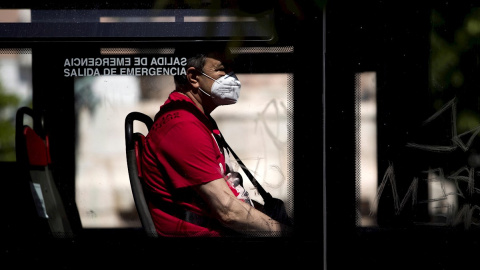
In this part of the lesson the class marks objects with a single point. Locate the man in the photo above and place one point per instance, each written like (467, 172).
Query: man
(189, 184)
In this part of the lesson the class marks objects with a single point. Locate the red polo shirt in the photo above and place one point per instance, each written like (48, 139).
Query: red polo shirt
(180, 152)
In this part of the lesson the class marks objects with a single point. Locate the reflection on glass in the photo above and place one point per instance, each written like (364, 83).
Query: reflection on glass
(453, 82)
(442, 198)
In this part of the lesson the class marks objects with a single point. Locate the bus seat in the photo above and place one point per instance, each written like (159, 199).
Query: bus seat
(33, 156)
(134, 142)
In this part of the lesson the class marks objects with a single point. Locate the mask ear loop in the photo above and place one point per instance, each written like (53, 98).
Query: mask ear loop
(202, 73)
(208, 76)
(204, 92)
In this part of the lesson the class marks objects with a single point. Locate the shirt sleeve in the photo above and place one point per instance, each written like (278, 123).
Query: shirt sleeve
(191, 154)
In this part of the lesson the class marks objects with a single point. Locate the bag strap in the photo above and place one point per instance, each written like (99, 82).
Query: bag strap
(265, 195)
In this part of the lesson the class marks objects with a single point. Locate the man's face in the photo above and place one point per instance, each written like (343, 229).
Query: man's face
(214, 67)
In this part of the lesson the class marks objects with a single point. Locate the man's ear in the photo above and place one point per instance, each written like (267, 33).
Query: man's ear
(192, 77)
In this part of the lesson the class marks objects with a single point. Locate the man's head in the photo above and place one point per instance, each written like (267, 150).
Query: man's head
(209, 78)
(197, 55)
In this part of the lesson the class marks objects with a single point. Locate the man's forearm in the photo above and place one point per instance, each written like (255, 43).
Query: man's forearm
(244, 218)
(234, 213)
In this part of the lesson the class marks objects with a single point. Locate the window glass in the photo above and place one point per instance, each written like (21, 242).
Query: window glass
(257, 127)
(15, 92)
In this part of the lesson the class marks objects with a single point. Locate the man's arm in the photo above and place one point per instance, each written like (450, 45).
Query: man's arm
(235, 214)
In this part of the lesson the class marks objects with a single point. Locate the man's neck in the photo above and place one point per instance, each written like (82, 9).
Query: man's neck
(197, 100)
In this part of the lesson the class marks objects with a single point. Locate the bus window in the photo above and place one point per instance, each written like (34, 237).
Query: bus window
(257, 127)
(15, 92)
(366, 115)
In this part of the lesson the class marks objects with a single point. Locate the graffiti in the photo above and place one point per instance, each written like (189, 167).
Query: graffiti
(269, 148)
(280, 145)
(462, 211)
(465, 215)
(456, 138)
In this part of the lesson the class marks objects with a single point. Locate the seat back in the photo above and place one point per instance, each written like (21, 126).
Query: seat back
(33, 155)
(134, 142)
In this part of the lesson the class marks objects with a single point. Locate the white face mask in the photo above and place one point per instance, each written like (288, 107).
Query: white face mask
(225, 90)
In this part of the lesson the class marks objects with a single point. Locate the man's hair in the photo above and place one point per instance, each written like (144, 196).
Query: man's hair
(196, 54)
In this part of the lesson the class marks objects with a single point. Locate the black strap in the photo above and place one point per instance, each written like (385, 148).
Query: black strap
(265, 195)
(186, 215)
(272, 207)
